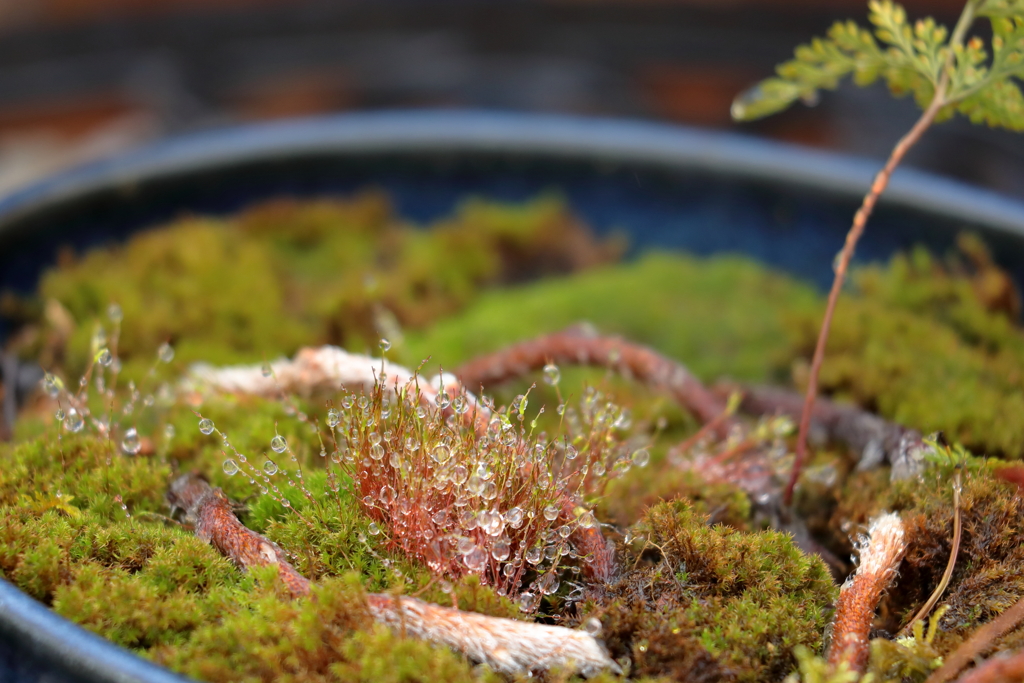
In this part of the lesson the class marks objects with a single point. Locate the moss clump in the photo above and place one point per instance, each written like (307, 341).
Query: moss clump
(987, 578)
(931, 345)
(288, 273)
(711, 602)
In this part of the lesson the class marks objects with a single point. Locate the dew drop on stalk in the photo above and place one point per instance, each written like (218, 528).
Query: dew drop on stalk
(206, 425)
(51, 385)
(442, 400)
(385, 345)
(441, 454)
(421, 412)
(571, 453)
(395, 460)
(501, 550)
(490, 491)
(534, 555)
(514, 517)
(387, 495)
(446, 587)
(440, 517)
(73, 422)
(548, 583)
(592, 626)
(278, 444)
(230, 467)
(333, 418)
(377, 452)
(165, 353)
(587, 520)
(373, 529)
(640, 457)
(270, 468)
(266, 370)
(476, 559)
(465, 545)
(551, 374)
(475, 485)
(104, 357)
(59, 414)
(551, 512)
(169, 431)
(528, 602)
(131, 444)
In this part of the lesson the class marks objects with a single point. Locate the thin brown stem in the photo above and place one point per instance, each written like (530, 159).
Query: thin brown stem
(860, 220)
(978, 643)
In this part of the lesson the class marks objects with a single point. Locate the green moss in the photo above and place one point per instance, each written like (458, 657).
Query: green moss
(721, 316)
(713, 602)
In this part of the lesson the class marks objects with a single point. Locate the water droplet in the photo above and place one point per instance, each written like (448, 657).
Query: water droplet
(333, 418)
(131, 444)
(446, 587)
(165, 353)
(465, 545)
(270, 468)
(266, 370)
(640, 457)
(385, 345)
(73, 422)
(491, 522)
(52, 385)
(395, 460)
(551, 374)
(278, 444)
(587, 520)
(475, 559)
(230, 467)
(59, 414)
(528, 602)
(441, 454)
(571, 453)
(377, 452)
(534, 555)
(548, 583)
(169, 431)
(442, 400)
(501, 550)
(514, 517)
(373, 529)
(490, 491)
(104, 357)
(551, 512)
(475, 485)
(387, 495)
(592, 626)
(206, 425)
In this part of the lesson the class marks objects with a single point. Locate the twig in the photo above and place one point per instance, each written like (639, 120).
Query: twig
(955, 550)
(1002, 669)
(506, 645)
(580, 345)
(881, 554)
(979, 642)
(860, 220)
(874, 438)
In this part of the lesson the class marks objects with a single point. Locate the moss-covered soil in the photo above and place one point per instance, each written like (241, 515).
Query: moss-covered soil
(705, 591)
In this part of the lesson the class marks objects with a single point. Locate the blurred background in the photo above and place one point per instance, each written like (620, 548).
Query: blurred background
(83, 79)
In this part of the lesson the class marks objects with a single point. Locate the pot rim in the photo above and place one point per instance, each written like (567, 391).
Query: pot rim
(37, 631)
(601, 140)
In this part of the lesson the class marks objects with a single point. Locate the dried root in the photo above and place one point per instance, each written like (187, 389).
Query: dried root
(582, 346)
(881, 553)
(506, 645)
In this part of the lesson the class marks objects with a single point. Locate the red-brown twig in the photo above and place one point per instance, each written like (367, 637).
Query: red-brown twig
(581, 346)
(978, 643)
(860, 220)
(1001, 669)
(506, 645)
(881, 554)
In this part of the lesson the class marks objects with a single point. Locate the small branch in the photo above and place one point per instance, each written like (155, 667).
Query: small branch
(978, 643)
(860, 220)
(874, 438)
(581, 346)
(881, 554)
(506, 645)
(1002, 669)
(950, 565)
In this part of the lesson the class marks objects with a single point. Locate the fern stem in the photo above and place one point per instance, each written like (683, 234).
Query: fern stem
(860, 220)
